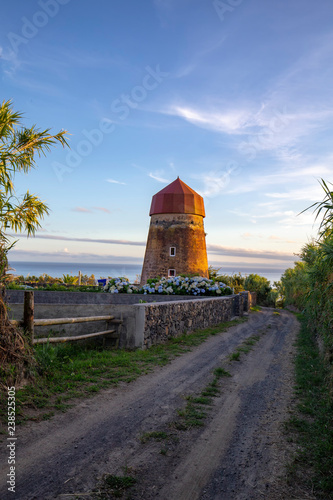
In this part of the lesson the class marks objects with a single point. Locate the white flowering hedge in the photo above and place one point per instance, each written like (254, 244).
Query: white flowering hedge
(176, 285)
(120, 285)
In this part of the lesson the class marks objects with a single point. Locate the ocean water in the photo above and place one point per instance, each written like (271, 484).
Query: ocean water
(131, 271)
(58, 269)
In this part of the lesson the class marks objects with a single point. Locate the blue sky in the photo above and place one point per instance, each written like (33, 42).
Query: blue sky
(233, 96)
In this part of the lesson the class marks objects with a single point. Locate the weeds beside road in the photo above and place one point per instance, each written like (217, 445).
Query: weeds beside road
(69, 371)
(311, 424)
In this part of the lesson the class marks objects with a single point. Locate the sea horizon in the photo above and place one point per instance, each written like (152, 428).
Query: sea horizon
(102, 270)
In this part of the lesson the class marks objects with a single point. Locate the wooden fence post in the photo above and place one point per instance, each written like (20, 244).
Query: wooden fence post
(28, 315)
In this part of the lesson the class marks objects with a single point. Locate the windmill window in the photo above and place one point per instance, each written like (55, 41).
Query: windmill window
(171, 273)
(172, 251)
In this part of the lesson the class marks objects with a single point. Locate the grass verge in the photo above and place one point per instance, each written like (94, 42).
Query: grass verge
(156, 435)
(197, 407)
(69, 371)
(114, 486)
(312, 427)
(244, 347)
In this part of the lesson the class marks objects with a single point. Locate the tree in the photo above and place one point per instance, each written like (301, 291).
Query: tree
(19, 148)
(260, 285)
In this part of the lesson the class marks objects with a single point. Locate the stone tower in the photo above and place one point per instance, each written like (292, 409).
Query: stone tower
(176, 241)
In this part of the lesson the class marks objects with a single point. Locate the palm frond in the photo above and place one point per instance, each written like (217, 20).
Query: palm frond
(324, 209)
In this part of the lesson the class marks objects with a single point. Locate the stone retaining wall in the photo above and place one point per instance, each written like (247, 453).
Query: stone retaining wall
(165, 320)
(144, 324)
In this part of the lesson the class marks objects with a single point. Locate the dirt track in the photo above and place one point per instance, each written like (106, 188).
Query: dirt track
(239, 453)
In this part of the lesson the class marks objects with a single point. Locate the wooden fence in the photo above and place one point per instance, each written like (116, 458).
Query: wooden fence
(29, 322)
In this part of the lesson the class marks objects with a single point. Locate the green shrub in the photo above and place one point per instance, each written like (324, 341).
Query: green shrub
(262, 287)
(309, 284)
(235, 281)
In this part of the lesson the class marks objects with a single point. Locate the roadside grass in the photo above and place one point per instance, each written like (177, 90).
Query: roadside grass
(235, 356)
(244, 347)
(312, 427)
(191, 416)
(157, 435)
(115, 486)
(255, 308)
(69, 371)
(197, 406)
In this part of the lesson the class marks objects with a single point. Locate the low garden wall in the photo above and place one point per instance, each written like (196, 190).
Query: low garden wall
(159, 322)
(144, 324)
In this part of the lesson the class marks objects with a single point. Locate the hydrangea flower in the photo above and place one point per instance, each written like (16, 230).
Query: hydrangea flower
(176, 285)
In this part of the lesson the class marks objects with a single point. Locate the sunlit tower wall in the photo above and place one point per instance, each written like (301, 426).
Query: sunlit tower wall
(176, 242)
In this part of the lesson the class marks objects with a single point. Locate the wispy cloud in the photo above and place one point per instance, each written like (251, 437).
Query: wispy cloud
(292, 219)
(269, 128)
(282, 118)
(214, 182)
(198, 56)
(301, 174)
(113, 181)
(67, 256)
(287, 218)
(103, 209)
(252, 254)
(12, 63)
(87, 240)
(279, 239)
(157, 175)
(272, 237)
(232, 122)
(184, 70)
(297, 194)
(245, 268)
(172, 166)
(86, 210)
(82, 209)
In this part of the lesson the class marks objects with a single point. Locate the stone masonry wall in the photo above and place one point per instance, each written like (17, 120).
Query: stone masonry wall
(165, 320)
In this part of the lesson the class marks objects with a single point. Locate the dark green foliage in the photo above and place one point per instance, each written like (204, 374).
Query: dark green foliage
(312, 427)
(235, 281)
(157, 435)
(192, 415)
(116, 485)
(324, 208)
(221, 372)
(295, 285)
(19, 149)
(262, 287)
(309, 287)
(234, 356)
(152, 281)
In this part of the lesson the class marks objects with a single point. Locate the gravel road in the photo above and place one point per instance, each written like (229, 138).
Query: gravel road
(239, 453)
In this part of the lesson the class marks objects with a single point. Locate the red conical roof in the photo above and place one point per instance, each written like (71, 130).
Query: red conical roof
(177, 198)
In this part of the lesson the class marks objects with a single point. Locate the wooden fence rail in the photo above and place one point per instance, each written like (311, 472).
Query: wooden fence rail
(29, 322)
(63, 321)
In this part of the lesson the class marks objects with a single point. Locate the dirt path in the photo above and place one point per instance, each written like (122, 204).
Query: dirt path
(238, 454)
